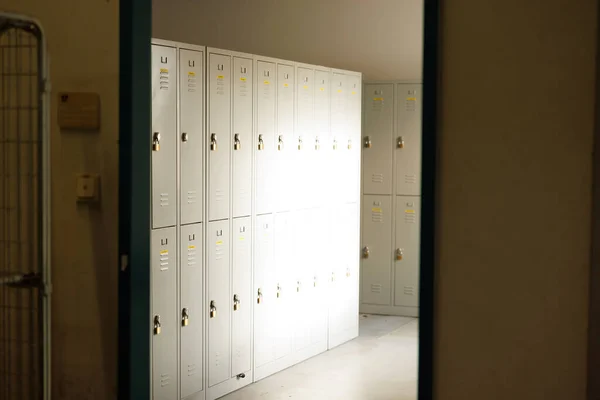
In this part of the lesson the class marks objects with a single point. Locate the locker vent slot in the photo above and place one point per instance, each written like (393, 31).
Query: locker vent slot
(377, 178)
(410, 218)
(377, 216)
(219, 251)
(191, 369)
(376, 288)
(192, 83)
(164, 80)
(191, 256)
(164, 260)
(409, 291)
(165, 380)
(164, 199)
(411, 104)
(219, 195)
(192, 196)
(410, 179)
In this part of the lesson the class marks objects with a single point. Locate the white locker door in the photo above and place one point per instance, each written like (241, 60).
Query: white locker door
(219, 303)
(301, 248)
(407, 265)
(351, 273)
(284, 283)
(191, 111)
(305, 139)
(192, 309)
(164, 128)
(266, 87)
(353, 112)
(242, 296)
(264, 348)
(408, 139)
(322, 130)
(242, 136)
(376, 250)
(318, 249)
(377, 142)
(218, 138)
(164, 313)
(285, 134)
(338, 130)
(335, 281)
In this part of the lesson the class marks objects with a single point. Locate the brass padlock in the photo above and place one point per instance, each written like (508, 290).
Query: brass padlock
(236, 142)
(317, 144)
(399, 254)
(278, 291)
(261, 143)
(213, 309)
(349, 144)
(157, 325)
(366, 252)
(185, 317)
(213, 142)
(335, 144)
(299, 143)
(368, 143)
(280, 143)
(156, 141)
(259, 298)
(400, 142)
(236, 302)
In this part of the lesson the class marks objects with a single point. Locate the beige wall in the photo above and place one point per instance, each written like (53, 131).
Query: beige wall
(358, 35)
(84, 57)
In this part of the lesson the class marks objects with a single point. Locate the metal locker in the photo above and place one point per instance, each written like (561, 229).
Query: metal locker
(191, 111)
(218, 135)
(302, 278)
(164, 128)
(284, 284)
(284, 140)
(305, 168)
(191, 313)
(264, 148)
(242, 298)
(353, 112)
(377, 140)
(264, 293)
(339, 135)
(317, 302)
(376, 250)
(408, 139)
(219, 303)
(242, 136)
(406, 253)
(164, 313)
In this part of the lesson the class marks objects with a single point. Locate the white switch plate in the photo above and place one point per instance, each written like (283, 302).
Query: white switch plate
(88, 187)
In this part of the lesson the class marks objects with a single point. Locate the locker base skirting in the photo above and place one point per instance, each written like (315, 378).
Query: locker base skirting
(398, 311)
(229, 386)
(292, 359)
(196, 396)
(338, 338)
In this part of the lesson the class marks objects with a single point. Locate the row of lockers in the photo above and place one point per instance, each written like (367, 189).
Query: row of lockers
(392, 139)
(256, 193)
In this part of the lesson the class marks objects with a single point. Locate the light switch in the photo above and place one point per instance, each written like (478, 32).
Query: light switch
(88, 187)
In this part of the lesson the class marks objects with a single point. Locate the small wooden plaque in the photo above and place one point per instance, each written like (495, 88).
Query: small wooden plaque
(79, 111)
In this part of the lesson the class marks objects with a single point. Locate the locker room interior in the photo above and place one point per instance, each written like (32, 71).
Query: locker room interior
(285, 204)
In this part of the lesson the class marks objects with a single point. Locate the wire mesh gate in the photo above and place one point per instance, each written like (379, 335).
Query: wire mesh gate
(24, 273)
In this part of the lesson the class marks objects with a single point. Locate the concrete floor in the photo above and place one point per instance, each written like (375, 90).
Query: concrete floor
(381, 364)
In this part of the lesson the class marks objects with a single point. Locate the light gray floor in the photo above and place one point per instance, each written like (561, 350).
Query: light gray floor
(381, 364)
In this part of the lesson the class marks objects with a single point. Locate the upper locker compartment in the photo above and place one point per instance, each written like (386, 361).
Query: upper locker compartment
(265, 131)
(408, 139)
(242, 136)
(219, 131)
(305, 140)
(191, 109)
(164, 128)
(353, 115)
(377, 140)
(340, 135)
(285, 132)
(322, 91)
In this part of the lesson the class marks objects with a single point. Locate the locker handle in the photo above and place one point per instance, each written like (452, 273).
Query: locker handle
(278, 291)
(261, 143)
(399, 254)
(157, 325)
(237, 145)
(236, 302)
(368, 142)
(185, 317)
(317, 144)
(259, 297)
(335, 144)
(298, 285)
(349, 144)
(213, 309)
(299, 143)
(280, 143)
(347, 272)
(400, 143)
(213, 142)
(184, 137)
(366, 252)
(156, 141)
